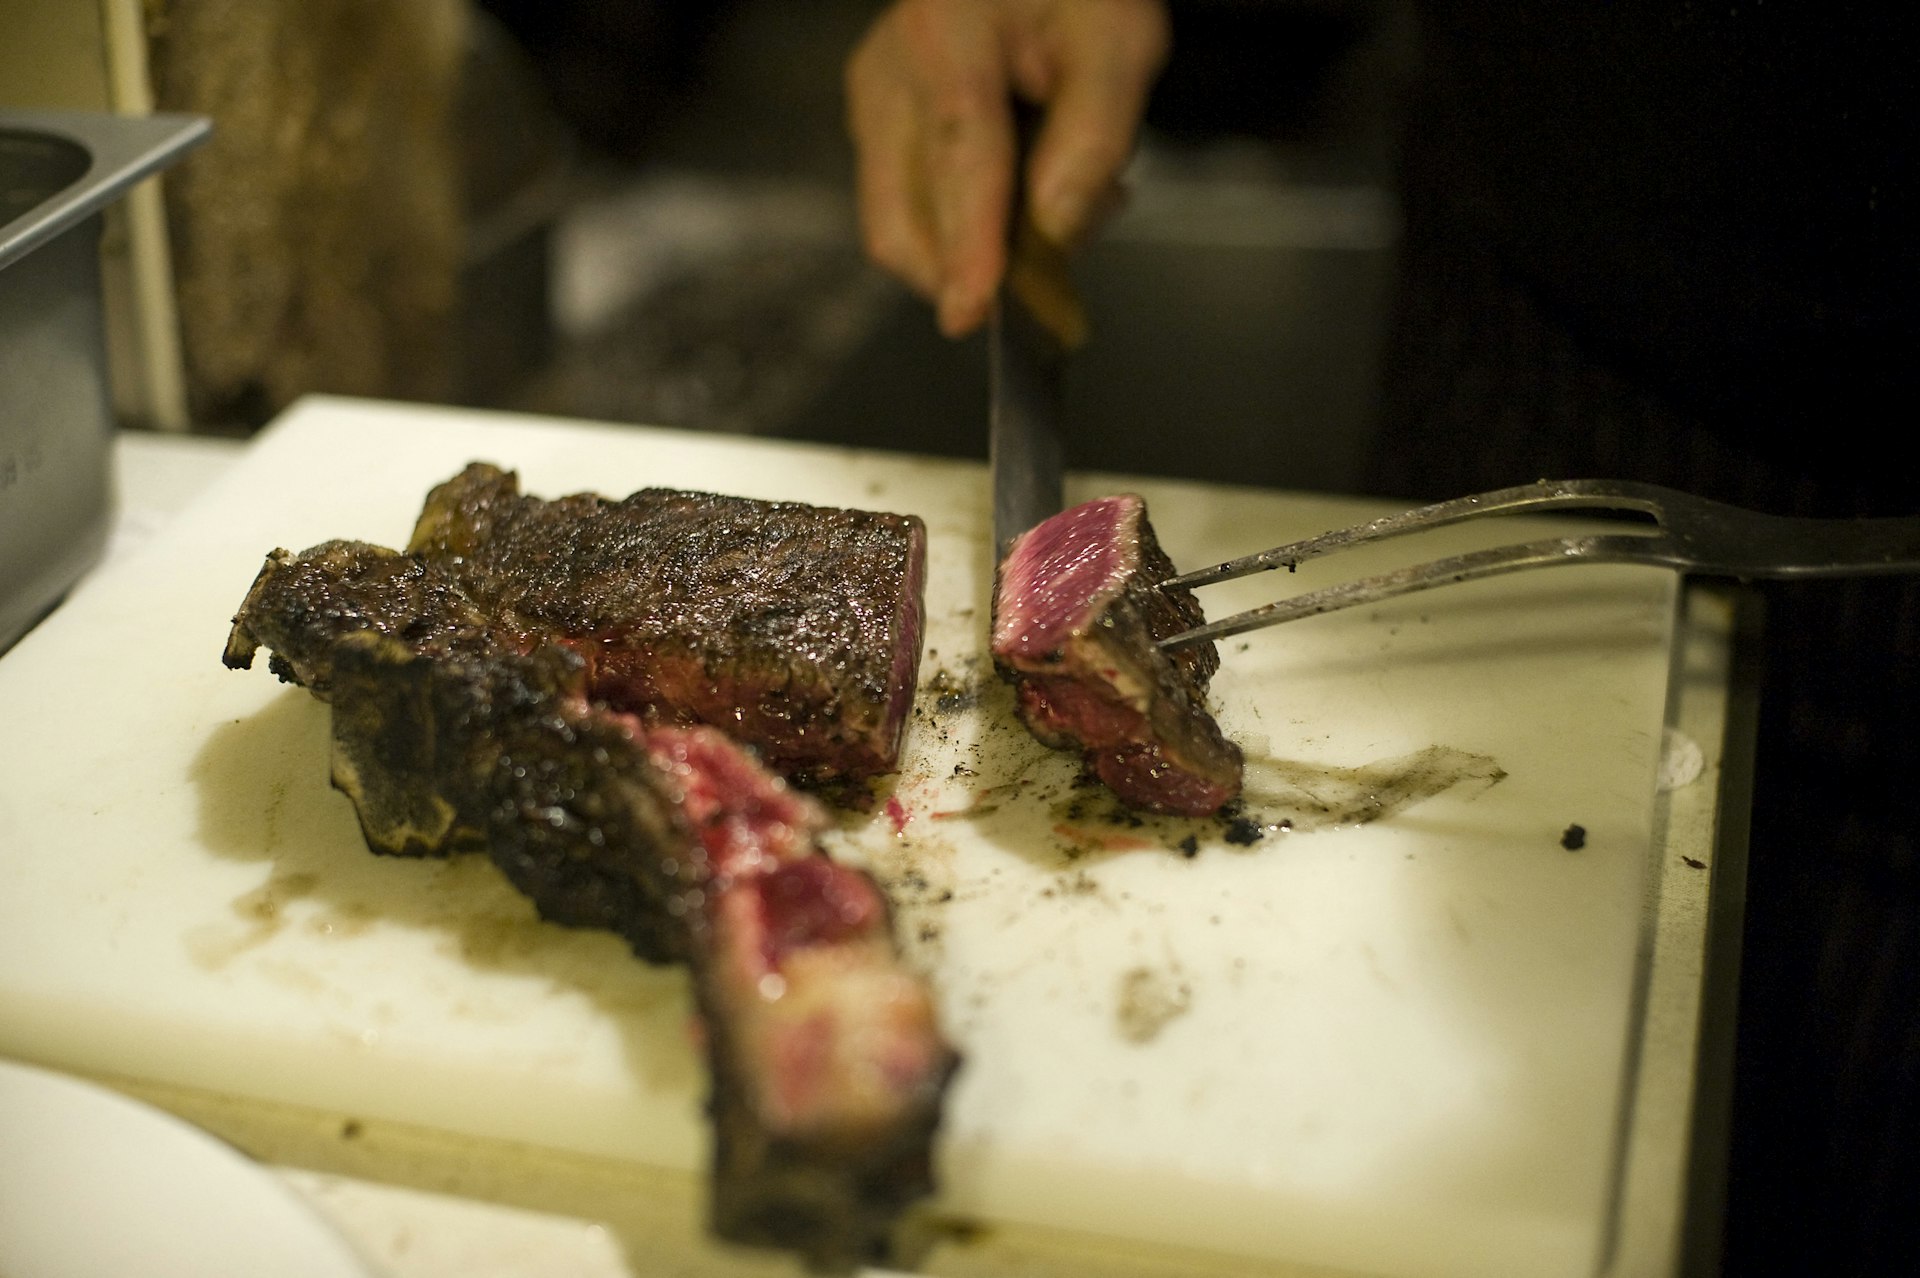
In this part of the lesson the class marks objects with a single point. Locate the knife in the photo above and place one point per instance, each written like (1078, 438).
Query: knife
(1036, 321)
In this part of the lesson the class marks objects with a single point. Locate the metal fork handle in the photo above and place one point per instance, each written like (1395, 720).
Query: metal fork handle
(1712, 540)
(1717, 537)
(1693, 535)
(1726, 541)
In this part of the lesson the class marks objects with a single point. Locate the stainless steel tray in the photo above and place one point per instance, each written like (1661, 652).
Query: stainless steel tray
(58, 171)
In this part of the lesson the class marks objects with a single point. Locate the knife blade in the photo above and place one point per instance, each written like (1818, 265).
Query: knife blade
(1036, 321)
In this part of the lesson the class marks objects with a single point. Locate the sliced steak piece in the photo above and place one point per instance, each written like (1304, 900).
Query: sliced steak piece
(828, 1063)
(795, 628)
(1076, 619)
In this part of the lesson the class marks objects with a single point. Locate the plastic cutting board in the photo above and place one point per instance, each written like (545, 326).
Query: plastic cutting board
(1377, 1021)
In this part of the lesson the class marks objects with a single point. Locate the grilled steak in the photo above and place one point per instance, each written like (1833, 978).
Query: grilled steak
(794, 628)
(460, 728)
(1077, 616)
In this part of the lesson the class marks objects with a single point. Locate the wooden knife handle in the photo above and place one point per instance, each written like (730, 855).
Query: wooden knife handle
(1037, 274)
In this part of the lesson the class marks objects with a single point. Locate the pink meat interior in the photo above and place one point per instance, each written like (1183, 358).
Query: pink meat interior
(758, 834)
(910, 629)
(747, 819)
(1061, 574)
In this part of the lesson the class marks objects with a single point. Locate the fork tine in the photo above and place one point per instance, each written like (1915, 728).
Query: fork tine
(1560, 494)
(1628, 548)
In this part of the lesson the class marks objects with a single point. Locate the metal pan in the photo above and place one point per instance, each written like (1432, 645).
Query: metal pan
(58, 171)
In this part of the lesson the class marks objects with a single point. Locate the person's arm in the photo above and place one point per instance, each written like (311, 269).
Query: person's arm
(929, 105)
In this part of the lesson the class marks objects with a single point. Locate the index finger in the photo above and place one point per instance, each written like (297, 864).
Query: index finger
(1102, 81)
(968, 159)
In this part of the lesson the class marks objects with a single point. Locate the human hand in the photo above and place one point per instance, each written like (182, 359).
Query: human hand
(930, 92)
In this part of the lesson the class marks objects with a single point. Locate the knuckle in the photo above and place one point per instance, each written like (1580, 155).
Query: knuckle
(958, 106)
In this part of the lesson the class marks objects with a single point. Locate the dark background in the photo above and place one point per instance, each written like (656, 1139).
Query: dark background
(1237, 305)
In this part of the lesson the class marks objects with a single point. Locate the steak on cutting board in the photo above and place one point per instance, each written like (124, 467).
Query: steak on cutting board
(1077, 617)
(793, 628)
(462, 726)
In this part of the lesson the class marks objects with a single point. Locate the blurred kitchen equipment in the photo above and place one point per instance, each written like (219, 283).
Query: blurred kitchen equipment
(1688, 533)
(58, 170)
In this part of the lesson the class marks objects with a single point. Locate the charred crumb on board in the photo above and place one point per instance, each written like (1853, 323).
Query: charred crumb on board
(957, 700)
(1693, 863)
(1238, 828)
(951, 693)
(913, 891)
(1097, 804)
(1574, 837)
(350, 1129)
(1078, 883)
(917, 881)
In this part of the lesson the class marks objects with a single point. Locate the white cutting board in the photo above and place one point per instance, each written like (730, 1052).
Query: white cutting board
(1394, 1045)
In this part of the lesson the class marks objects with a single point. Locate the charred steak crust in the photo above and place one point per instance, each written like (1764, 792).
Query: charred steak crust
(501, 753)
(795, 628)
(461, 725)
(1078, 615)
(299, 604)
